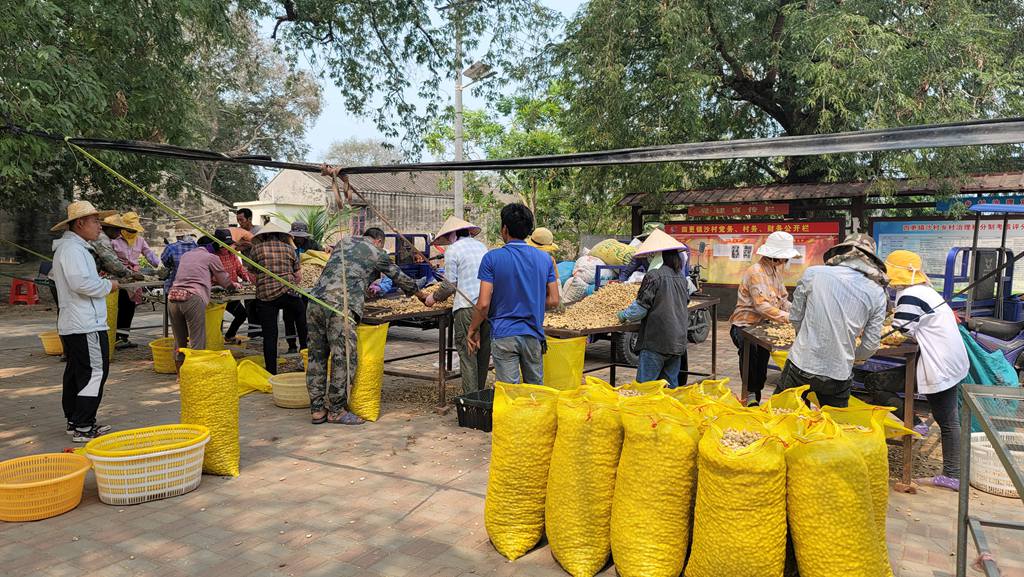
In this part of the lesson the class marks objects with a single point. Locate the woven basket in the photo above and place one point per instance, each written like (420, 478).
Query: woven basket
(987, 472)
(52, 343)
(141, 465)
(41, 486)
(290, 391)
(163, 355)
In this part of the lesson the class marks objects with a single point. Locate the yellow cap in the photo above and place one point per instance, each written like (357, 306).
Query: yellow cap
(905, 268)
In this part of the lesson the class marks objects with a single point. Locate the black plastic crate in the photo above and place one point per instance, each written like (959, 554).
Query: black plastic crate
(474, 409)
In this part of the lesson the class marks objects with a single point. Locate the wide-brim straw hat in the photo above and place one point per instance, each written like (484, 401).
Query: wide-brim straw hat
(451, 225)
(862, 243)
(273, 228)
(543, 239)
(658, 241)
(182, 228)
(116, 221)
(80, 209)
(132, 219)
(779, 244)
(905, 268)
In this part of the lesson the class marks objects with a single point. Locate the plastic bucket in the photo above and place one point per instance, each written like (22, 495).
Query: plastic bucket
(163, 355)
(52, 343)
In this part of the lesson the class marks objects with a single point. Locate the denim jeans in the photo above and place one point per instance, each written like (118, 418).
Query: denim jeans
(512, 355)
(652, 366)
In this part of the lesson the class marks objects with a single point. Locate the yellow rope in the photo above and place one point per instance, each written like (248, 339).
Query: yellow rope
(182, 217)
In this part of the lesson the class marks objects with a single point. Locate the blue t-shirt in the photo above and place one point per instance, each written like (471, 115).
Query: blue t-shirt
(520, 275)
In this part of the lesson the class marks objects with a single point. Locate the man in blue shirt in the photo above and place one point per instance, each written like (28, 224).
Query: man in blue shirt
(517, 284)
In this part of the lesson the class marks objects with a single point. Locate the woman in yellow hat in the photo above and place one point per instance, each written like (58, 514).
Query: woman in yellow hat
(923, 316)
(129, 245)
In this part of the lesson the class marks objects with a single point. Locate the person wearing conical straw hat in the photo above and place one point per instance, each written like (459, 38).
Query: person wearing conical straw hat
(82, 318)
(639, 263)
(762, 296)
(833, 304)
(461, 267)
(923, 316)
(660, 307)
(129, 246)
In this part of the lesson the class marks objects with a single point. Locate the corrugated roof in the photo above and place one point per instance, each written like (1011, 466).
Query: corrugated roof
(981, 183)
(427, 183)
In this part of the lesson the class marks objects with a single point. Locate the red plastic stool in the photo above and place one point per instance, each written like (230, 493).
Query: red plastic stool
(24, 292)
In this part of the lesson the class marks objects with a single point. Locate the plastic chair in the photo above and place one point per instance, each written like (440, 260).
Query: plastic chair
(24, 292)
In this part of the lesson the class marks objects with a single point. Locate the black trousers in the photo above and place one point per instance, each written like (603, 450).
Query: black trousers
(830, 392)
(84, 376)
(125, 313)
(238, 316)
(268, 311)
(252, 314)
(290, 325)
(759, 357)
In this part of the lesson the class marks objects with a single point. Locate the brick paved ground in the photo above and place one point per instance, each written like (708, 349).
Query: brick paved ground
(400, 497)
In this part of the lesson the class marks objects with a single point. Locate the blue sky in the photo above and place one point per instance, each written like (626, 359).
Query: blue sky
(335, 123)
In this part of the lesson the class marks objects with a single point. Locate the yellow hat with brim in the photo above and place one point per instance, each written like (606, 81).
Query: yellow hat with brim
(451, 225)
(132, 219)
(658, 241)
(905, 268)
(116, 221)
(81, 209)
(543, 239)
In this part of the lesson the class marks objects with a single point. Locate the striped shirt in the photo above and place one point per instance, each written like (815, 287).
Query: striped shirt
(461, 266)
(922, 315)
(761, 295)
(832, 306)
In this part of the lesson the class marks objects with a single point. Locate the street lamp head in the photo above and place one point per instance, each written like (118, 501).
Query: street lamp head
(478, 71)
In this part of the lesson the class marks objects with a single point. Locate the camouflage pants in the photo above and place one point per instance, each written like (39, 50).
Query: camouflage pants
(327, 336)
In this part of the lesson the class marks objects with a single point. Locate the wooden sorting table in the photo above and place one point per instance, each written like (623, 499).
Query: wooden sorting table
(696, 303)
(757, 337)
(444, 351)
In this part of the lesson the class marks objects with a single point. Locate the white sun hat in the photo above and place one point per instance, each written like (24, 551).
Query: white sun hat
(778, 245)
(658, 241)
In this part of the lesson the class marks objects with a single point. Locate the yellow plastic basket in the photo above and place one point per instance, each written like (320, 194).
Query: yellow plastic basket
(148, 464)
(163, 355)
(289, 390)
(41, 486)
(52, 343)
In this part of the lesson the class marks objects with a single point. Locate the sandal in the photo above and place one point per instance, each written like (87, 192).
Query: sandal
(344, 418)
(321, 419)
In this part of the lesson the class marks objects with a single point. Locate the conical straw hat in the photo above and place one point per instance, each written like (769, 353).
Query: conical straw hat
(451, 225)
(81, 209)
(658, 241)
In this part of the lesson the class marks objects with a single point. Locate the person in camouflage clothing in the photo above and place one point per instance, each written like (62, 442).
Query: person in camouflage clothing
(364, 261)
(106, 258)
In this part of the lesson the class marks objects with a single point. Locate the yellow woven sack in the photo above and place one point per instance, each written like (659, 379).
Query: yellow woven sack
(780, 358)
(111, 323)
(314, 257)
(252, 377)
(893, 427)
(654, 487)
(581, 482)
(647, 388)
(523, 436)
(829, 503)
(788, 401)
(864, 428)
(364, 398)
(214, 324)
(563, 363)
(209, 397)
(613, 252)
(739, 520)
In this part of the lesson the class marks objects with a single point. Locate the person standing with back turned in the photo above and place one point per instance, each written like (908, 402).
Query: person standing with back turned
(517, 283)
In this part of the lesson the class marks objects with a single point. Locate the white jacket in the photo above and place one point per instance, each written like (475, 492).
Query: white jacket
(922, 315)
(81, 293)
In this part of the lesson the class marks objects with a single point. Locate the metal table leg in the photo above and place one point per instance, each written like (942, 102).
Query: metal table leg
(615, 359)
(910, 379)
(442, 372)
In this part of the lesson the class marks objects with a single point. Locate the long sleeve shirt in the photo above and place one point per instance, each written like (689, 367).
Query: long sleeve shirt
(197, 272)
(279, 258)
(761, 296)
(80, 290)
(130, 253)
(461, 266)
(922, 315)
(832, 306)
(107, 259)
(364, 263)
(172, 256)
(233, 266)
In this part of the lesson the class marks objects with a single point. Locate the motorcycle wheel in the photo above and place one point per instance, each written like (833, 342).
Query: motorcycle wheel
(700, 326)
(625, 348)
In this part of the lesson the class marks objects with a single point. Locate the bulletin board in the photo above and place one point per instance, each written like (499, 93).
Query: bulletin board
(731, 247)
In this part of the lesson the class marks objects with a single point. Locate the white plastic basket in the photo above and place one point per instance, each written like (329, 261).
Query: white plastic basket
(289, 390)
(148, 464)
(987, 472)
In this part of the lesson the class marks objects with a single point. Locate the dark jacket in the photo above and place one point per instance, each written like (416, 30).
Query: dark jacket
(664, 295)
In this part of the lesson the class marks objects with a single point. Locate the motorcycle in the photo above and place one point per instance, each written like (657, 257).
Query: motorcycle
(1007, 337)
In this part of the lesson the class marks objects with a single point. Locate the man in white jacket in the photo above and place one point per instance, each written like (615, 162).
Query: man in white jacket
(82, 318)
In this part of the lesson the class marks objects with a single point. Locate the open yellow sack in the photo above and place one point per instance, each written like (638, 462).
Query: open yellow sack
(654, 487)
(864, 428)
(314, 257)
(893, 427)
(739, 520)
(830, 509)
(563, 363)
(581, 483)
(209, 397)
(780, 358)
(523, 436)
(214, 326)
(252, 377)
(364, 398)
(111, 323)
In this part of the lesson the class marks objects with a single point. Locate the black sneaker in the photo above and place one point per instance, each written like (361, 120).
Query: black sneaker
(125, 344)
(84, 436)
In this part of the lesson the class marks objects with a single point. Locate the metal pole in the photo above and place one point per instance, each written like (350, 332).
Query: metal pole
(963, 499)
(973, 262)
(459, 202)
(999, 266)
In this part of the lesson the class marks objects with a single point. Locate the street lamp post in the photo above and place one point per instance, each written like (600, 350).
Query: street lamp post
(476, 72)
